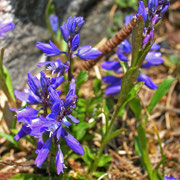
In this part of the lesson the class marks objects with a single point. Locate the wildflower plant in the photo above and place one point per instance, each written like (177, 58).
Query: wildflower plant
(53, 114)
(49, 112)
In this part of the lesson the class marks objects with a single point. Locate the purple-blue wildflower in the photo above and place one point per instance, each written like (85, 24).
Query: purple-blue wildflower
(4, 28)
(170, 178)
(36, 122)
(53, 19)
(87, 52)
(55, 66)
(50, 49)
(152, 58)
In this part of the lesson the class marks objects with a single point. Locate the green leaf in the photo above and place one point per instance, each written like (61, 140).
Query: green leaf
(9, 137)
(143, 53)
(160, 92)
(98, 174)
(137, 38)
(143, 150)
(135, 106)
(88, 152)
(81, 129)
(113, 135)
(128, 82)
(96, 86)
(8, 82)
(82, 77)
(104, 160)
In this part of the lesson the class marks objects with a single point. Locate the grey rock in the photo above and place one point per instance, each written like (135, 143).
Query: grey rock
(21, 54)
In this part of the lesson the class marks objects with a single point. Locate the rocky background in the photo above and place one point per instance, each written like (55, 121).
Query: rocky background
(21, 54)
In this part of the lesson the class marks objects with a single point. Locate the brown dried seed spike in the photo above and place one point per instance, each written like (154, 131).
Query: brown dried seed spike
(109, 45)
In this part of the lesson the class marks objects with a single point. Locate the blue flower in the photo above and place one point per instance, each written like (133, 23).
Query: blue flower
(128, 18)
(54, 123)
(147, 81)
(170, 178)
(4, 28)
(152, 58)
(72, 27)
(142, 11)
(75, 42)
(49, 49)
(87, 52)
(54, 22)
(55, 66)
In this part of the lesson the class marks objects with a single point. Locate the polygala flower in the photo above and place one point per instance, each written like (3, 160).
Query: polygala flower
(4, 28)
(53, 19)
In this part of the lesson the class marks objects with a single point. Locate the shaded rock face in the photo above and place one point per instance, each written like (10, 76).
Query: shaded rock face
(21, 54)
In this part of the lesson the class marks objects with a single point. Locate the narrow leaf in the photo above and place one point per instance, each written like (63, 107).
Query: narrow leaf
(137, 38)
(160, 92)
(113, 135)
(9, 137)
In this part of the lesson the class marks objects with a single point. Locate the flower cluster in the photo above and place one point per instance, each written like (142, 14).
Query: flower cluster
(53, 115)
(156, 9)
(152, 58)
(4, 28)
(70, 33)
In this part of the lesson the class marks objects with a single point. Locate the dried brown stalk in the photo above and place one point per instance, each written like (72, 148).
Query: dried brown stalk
(109, 45)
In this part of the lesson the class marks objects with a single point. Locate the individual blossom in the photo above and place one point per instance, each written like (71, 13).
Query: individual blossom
(87, 52)
(71, 27)
(50, 49)
(55, 66)
(53, 19)
(4, 28)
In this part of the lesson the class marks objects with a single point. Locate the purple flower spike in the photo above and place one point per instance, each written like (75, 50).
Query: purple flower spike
(142, 11)
(147, 81)
(49, 49)
(111, 65)
(75, 42)
(54, 22)
(87, 52)
(4, 28)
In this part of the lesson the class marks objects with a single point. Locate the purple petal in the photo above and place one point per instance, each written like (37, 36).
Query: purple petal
(43, 153)
(59, 161)
(155, 47)
(147, 81)
(111, 80)
(122, 57)
(75, 42)
(22, 96)
(113, 90)
(86, 52)
(23, 132)
(54, 22)
(128, 18)
(142, 11)
(73, 143)
(4, 28)
(111, 65)
(73, 119)
(64, 31)
(40, 144)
